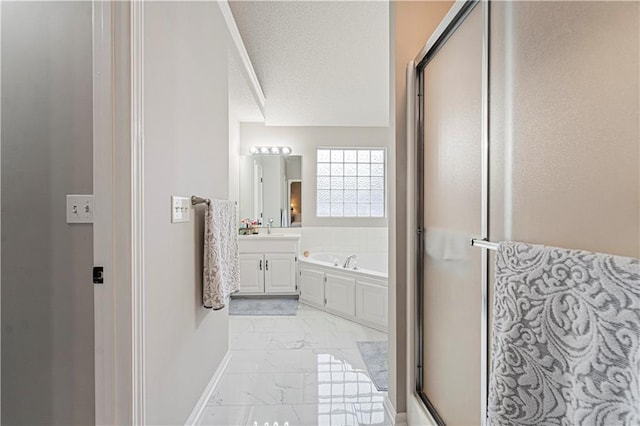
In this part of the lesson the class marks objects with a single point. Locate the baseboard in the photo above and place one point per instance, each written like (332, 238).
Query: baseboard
(197, 411)
(398, 419)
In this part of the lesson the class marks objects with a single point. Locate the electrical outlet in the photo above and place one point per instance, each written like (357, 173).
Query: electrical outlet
(80, 208)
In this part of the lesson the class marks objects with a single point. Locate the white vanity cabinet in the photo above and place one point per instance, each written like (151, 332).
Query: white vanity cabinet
(268, 264)
(251, 273)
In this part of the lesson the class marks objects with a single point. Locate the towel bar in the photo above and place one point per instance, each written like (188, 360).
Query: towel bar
(484, 244)
(199, 200)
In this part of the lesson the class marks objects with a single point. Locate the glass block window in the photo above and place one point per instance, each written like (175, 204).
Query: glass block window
(350, 182)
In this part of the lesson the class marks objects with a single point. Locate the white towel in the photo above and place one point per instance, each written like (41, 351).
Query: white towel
(566, 332)
(221, 265)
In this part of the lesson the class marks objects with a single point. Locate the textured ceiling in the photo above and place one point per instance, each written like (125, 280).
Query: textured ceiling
(319, 63)
(242, 106)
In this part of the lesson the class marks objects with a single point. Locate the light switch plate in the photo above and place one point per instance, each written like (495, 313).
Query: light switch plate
(180, 209)
(80, 208)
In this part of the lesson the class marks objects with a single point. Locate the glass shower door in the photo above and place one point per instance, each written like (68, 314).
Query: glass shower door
(451, 102)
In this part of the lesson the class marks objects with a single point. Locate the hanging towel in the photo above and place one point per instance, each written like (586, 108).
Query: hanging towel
(221, 265)
(566, 327)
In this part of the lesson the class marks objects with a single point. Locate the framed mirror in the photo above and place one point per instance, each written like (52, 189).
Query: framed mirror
(271, 189)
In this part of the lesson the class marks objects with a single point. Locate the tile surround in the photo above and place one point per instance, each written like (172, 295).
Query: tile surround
(302, 370)
(345, 239)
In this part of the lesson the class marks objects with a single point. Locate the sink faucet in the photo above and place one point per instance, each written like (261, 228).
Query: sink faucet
(269, 225)
(346, 262)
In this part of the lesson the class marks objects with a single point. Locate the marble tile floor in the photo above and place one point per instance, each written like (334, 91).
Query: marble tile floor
(302, 370)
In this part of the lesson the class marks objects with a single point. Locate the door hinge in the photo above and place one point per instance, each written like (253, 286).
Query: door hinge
(296, 286)
(325, 279)
(295, 259)
(98, 275)
(325, 302)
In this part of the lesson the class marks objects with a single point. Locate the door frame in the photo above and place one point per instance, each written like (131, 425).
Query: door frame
(415, 122)
(118, 148)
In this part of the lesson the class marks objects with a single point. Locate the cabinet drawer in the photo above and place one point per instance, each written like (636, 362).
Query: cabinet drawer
(247, 245)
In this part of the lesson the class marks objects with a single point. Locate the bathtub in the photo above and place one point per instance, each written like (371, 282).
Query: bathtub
(374, 264)
(359, 294)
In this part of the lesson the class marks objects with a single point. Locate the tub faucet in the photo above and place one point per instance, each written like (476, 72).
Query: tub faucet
(346, 262)
(269, 225)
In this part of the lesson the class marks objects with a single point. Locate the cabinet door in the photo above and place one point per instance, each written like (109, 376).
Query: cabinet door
(312, 286)
(371, 302)
(340, 294)
(251, 273)
(280, 273)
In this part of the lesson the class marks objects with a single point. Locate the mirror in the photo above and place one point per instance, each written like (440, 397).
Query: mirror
(271, 188)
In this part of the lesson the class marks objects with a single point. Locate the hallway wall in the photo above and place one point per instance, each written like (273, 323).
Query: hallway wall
(186, 153)
(47, 152)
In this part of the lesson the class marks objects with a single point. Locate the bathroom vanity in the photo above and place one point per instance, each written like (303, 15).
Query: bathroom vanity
(268, 264)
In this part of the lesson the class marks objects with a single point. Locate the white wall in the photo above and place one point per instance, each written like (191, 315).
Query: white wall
(304, 141)
(186, 152)
(47, 293)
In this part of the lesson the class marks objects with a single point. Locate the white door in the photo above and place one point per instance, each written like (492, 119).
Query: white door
(340, 295)
(312, 286)
(280, 273)
(371, 302)
(251, 273)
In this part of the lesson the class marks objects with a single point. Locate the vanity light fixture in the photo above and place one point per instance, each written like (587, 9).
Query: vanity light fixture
(270, 150)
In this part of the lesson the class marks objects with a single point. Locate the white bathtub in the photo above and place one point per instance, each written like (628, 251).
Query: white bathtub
(360, 295)
(374, 264)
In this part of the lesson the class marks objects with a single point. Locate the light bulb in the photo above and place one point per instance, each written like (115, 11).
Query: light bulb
(275, 150)
(264, 150)
(286, 150)
(254, 150)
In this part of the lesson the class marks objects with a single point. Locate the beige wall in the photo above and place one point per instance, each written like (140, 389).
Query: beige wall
(414, 22)
(47, 293)
(186, 152)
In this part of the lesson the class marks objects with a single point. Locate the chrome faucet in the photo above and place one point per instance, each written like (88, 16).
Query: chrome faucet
(348, 261)
(270, 221)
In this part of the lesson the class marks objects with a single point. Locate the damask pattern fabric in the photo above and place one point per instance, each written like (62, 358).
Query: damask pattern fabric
(566, 332)
(221, 265)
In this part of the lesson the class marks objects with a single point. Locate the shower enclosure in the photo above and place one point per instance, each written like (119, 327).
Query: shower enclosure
(527, 128)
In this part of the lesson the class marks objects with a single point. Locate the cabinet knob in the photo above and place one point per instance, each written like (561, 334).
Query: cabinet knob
(266, 265)
(261, 264)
